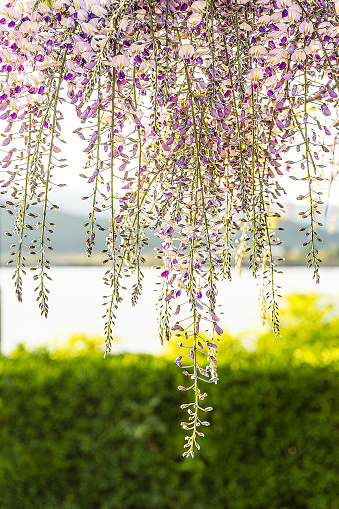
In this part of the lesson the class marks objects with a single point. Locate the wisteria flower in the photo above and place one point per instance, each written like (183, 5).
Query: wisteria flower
(194, 19)
(29, 27)
(258, 50)
(81, 46)
(306, 27)
(256, 74)
(186, 51)
(198, 6)
(98, 10)
(294, 13)
(282, 4)
(312, 48)
(82, 15)
(299, 55)
(90, 27)
(120, 62)
(277, 56)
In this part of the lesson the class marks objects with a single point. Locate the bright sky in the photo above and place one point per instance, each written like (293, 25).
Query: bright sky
(78, 187)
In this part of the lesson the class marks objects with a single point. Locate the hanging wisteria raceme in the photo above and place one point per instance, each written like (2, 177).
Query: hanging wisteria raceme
(187, 111)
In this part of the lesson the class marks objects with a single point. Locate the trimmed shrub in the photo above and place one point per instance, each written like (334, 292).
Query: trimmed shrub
(86, 432)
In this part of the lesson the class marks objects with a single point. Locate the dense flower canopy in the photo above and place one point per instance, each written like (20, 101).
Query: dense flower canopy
(194, 107)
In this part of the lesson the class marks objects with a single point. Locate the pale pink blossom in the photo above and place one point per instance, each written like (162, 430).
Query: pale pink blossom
(89, 28)
(98, 41)
(186, 51)
(98, 10)
(37, 77)
(306, 27)
(198, 6)
(80, 4)
(298, 56)
(140, 14)
(8, 57)
(283, 28)
(13, 13)
(202, 51)
(14, 104)
(28, 27)
(282, 4)
(263, 20)
(275, 17)
(67, 22)
(277, 55)
(82, 15)
(194, 19)
(43, 7)
(258, 50)
(88, 55)
(123, 24)
(256, 74)
(81, 46)
(294, 13)
(17, 78)
(91, 3)
(326, 28)
(312, 48)
(142, 67)
(136, 48)
(120, 61)
(5, 86)
(70, 65)
(245, 26)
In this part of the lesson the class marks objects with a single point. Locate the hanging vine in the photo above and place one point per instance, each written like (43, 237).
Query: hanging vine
(194, 107)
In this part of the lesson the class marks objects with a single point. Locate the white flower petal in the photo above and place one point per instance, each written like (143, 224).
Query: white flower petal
(186, 51)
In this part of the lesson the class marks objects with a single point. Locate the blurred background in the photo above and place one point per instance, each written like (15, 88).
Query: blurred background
(79, 431)
(77, 288)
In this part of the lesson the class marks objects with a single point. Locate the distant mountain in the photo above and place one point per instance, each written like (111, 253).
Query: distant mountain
(70, 235)
(293, 238)
(69, 232)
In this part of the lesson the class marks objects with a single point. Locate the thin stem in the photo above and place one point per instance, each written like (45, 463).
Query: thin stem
(243, 172)
(91, 236)
(156, 73)
(43, 304)
(18, 289)
(197, 144)
(195, 388)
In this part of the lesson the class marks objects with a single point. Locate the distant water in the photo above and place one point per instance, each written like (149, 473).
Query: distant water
(76, 306)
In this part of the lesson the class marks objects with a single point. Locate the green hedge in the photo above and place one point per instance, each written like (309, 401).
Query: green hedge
(90, 433)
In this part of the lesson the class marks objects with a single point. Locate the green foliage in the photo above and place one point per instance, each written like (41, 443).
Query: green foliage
(310, 333)
(78, 431)
(83, 432)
